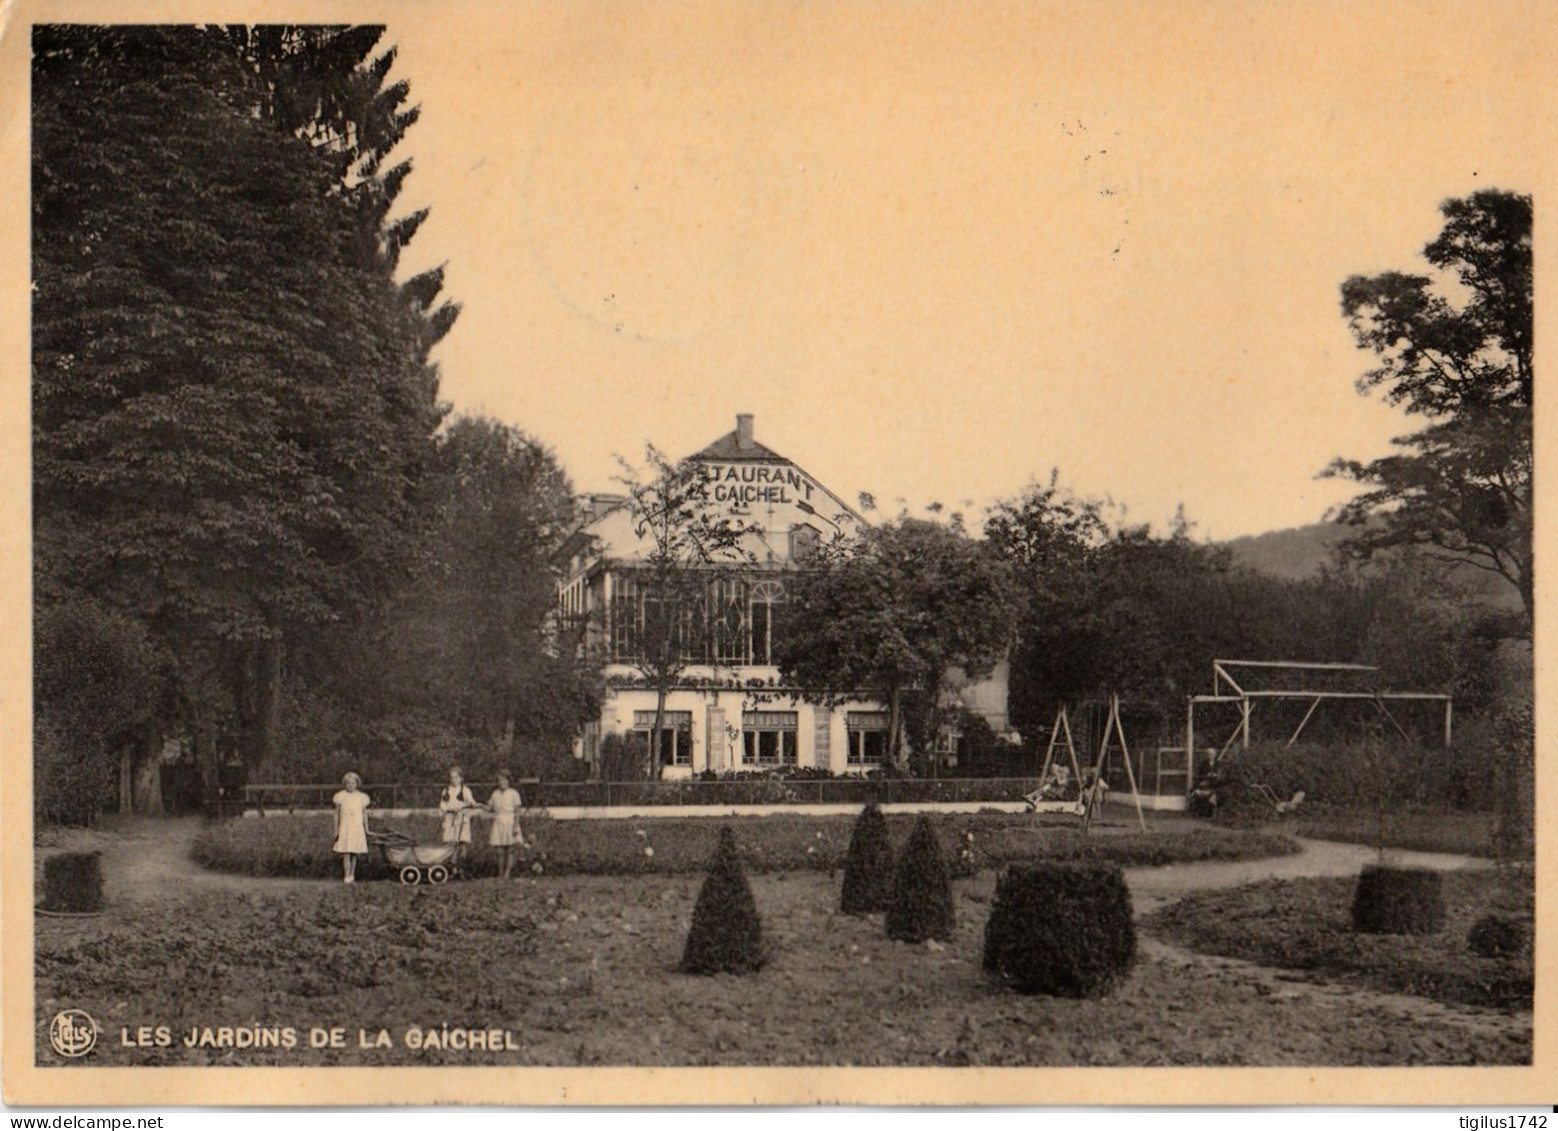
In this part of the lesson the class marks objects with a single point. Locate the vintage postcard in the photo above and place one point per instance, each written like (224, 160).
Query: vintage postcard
(720, 553)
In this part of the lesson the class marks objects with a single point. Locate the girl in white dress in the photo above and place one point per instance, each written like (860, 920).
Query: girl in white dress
(351, 825)
(457, 805)
(505, 832)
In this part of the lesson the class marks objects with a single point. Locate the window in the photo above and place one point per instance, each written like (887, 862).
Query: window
(728, 622)
(768, 738)
(675, 735)
(626, 622)
(643, 622)
(767, 603)
(867, 732)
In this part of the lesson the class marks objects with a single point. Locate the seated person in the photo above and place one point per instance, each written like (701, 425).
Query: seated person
(1204, 794)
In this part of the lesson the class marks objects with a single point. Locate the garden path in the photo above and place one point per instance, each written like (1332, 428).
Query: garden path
(147, 860)
(1152, 888)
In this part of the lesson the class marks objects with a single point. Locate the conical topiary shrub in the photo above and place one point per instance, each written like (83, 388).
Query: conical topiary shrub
(726, 935)
(1397, 901)
(73, 883)
(1062, 929)
(922, 890)
(868, 869)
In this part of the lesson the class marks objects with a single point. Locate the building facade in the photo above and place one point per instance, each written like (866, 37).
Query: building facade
(729, 709)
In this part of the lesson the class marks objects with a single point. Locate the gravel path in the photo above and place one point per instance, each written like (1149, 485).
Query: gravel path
(147, 860)
(1152, 888)
(147, 863)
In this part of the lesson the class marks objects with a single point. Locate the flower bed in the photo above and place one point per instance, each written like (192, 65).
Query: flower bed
(1306, 925)
(582, 971)
(300, 846)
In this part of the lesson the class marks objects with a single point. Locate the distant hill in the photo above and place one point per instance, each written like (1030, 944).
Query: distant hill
(1290, 554)
(1302, 551)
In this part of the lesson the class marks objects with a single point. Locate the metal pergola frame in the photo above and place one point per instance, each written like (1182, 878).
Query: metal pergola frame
(1222, 679)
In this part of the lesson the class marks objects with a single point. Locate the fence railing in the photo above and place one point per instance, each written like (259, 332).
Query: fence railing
(553, 795)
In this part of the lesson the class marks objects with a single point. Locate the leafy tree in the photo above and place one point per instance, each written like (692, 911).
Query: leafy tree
(892, 611)
(688, 546)
(1111, 607)
(1454, 347)
(461, 662)
(468, 644)
(231, 414)
(325, 85)
(501, 504)
(97, 678)
(1047, 531)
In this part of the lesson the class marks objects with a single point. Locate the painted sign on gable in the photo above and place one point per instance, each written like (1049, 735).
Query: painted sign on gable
(743, 484)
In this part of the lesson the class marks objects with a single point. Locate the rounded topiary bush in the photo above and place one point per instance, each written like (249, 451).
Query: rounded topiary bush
(1063, 929)
(73, 882)
(1500, 936)
(922, 890)
(868, 869)
(726, 935)
(1398, 901)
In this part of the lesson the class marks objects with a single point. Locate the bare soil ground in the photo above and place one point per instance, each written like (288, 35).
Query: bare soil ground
(581, 970)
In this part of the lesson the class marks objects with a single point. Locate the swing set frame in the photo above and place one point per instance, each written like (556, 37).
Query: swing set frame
(1090, 799)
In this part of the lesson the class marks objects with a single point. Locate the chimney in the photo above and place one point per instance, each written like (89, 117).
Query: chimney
(744, 440)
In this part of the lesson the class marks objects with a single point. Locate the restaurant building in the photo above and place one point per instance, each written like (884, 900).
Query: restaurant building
(730, 709)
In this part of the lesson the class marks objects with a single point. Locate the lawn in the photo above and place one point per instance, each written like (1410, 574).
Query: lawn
(300, 846)
(581, 970)
(1305, 925)
(1458, 832)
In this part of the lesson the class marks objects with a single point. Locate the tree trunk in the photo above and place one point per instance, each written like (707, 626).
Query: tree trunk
(269, 697)
(126, 777)
(258, 695)
(146, 796)
(207, 760)
(1528, 597)
(895, 726)
(655, 734)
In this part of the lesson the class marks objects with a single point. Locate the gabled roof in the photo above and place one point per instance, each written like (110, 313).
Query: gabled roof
(728, 448)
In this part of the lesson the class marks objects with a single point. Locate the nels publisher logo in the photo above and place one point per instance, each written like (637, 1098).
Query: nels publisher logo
(73, 1033)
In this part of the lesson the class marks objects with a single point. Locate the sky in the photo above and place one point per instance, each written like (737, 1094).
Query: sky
(940, 249)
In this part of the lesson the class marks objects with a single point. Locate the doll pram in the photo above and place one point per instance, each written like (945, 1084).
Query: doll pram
(416, 863)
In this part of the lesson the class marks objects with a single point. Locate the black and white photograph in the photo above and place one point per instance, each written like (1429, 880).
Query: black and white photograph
(584, 550)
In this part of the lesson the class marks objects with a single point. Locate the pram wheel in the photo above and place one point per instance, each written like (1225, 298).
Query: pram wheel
(437, 874)
(410, 875)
